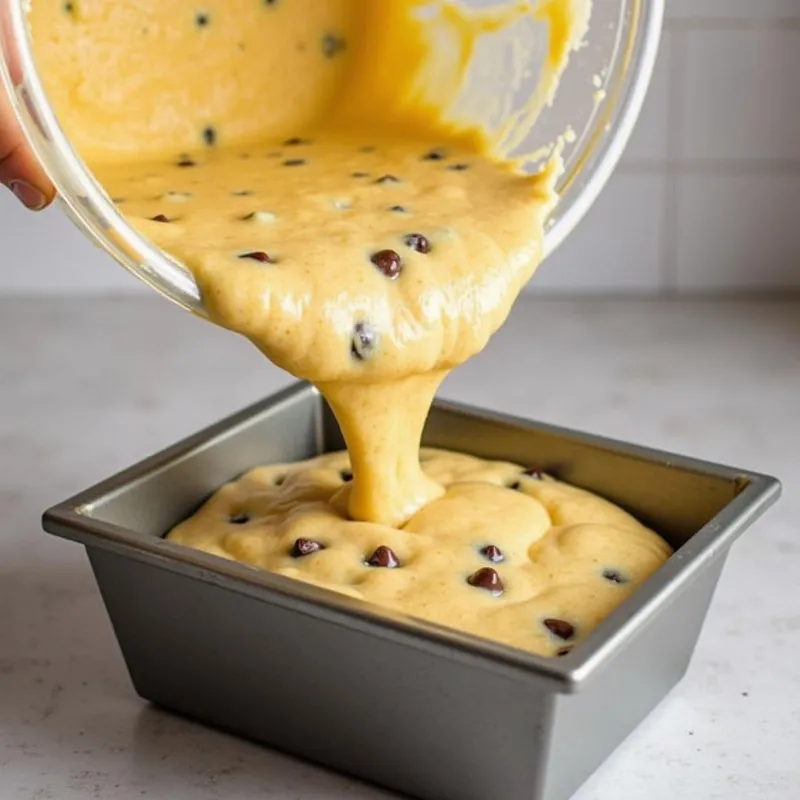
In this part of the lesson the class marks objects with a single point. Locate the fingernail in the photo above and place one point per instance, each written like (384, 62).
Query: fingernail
(28, 195)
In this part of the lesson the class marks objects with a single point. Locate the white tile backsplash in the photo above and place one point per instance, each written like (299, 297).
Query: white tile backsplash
(738, 232)
(617, 246)
(725, 10)
(707, 196)
(741, 95)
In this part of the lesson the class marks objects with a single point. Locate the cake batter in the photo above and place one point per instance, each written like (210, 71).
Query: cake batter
(305, 159)
(507, 553)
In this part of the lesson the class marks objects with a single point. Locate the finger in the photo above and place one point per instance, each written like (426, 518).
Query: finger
(19, 169)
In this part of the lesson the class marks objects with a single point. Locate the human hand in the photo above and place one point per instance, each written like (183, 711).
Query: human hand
(19, 170)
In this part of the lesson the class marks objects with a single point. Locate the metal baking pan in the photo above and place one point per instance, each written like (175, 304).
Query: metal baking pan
(406, 704)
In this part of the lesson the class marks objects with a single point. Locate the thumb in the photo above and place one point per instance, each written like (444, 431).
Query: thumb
(19, 170)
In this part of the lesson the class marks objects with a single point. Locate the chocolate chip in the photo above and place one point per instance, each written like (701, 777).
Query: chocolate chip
(612, 576)
(201, 19)
(488, 579)
(118, 200)
(359, 174)
(398, 209)
(387, 179)
(258, 255)
(516, 486)
(368, 148)
(279, 480)
(563, 651)
(383, 557)
(294, 162)
(434, 155)
(364, 341)
(186, 161)
(458, 167)
(332, 45)
(69, 8)
(239, 519)
(305, 547)
(493, 553)
(418, 242)
(560, 628)
(242, 193)
(271, 2)
(388, 262)
(295, 141)
(346, 475)
(210, 135)
(160, 218)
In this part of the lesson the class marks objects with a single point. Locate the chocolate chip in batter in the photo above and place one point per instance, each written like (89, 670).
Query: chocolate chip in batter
(239, 519)
(367, 148)
(118, 200)
(210, 135)
(492, 553)
(458, 167)
(418, 242)
(160, 218)
(488, 579)
(294, 162)
(305, 547)
(383, 557)
(271, 2)
(516, 486)
(359, 174)
(614, 576)
(398, 209)
(364, 341)
(69, 8)
(332, 45)
(563, 651)
(186, 161)
(387, 179)
(279, 480)
(202, 19)
(434, 155)
(242, 193)
(560, 628)
(346, 475)
(388, 262)
(295, 141)
(258, 255)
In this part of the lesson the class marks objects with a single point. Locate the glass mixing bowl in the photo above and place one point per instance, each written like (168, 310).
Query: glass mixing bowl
(598, 100)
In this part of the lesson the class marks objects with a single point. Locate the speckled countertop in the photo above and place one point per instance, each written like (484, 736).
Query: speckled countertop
(90, 386)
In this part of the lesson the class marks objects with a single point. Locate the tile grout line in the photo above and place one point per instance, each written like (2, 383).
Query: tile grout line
(727, 24)
(711, 166)
(675, 114)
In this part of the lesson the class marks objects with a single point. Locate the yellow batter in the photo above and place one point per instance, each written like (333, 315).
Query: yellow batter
(303, 159)
(506, 553)
(308, 161)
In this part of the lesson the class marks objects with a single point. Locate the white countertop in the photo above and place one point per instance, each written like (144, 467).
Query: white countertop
(90, 386)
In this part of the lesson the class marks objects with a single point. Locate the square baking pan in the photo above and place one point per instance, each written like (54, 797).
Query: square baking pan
(400, 702)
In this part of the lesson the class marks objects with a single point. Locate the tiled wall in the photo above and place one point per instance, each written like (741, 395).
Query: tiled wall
(707, 197)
